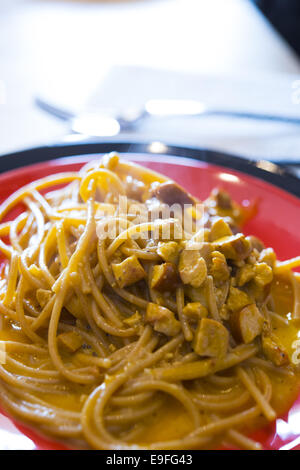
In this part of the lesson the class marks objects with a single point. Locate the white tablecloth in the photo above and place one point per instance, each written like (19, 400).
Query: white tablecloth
(63, 49)
(132, 86)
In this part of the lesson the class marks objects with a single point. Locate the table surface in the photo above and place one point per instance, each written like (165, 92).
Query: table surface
(64, 48)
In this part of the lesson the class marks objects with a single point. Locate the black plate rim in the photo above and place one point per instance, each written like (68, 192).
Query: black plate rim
(265, 170)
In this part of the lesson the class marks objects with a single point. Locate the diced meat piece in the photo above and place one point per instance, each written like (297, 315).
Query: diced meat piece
(192, 268)
(206, 234)
(197, 294)
(171, 193)
(71, 341)
(205, 251)
(43, 296)
(165, 277)
(268, 256)
(246, 324)
(257, 292)
(168, 251)
(256, 243)
(219, 229)
(274, 350)
(195, 311)
(211, 339)
(245, 274)
(162, 319)
(223, 200)
(128, 271)
(219, 269)
(235, 247)
(134, 188)
(237, 299)
(263, 274)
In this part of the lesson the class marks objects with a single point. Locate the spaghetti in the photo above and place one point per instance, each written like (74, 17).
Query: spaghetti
(124, 330)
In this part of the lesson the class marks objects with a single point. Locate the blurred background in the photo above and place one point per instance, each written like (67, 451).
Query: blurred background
(94, 55)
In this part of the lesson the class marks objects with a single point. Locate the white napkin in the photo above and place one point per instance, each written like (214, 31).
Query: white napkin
(125, 87)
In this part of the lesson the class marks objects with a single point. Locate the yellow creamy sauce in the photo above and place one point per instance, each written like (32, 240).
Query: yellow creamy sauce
(171, 421)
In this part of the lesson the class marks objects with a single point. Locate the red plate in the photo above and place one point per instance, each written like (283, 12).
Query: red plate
(277, 223)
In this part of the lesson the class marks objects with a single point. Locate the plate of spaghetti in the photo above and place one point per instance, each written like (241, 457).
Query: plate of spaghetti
(149, 302)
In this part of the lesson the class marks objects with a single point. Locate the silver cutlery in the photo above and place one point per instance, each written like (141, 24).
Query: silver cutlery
(109, 124)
